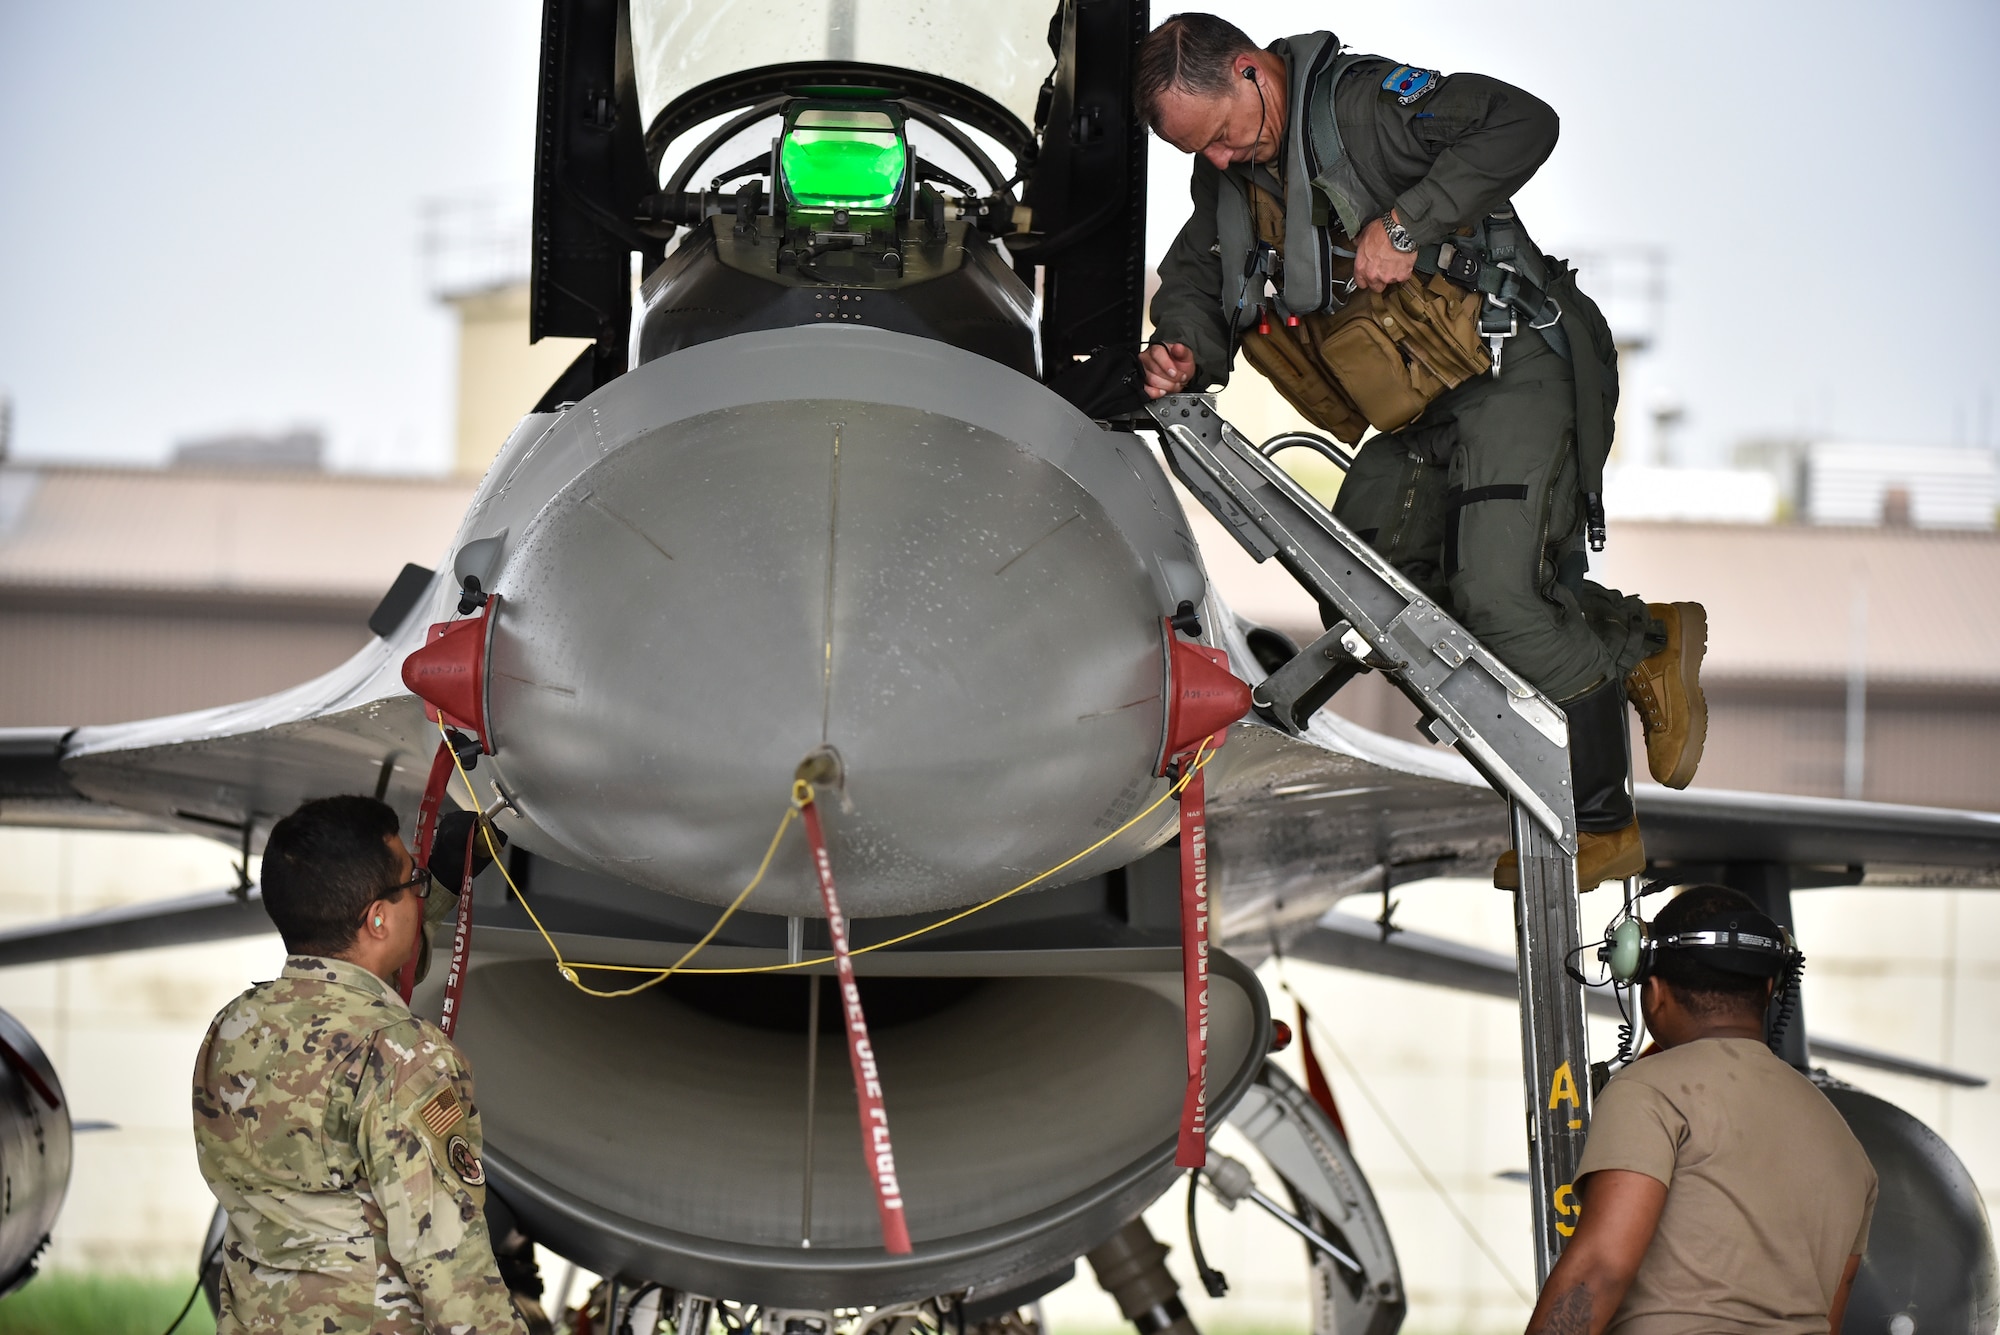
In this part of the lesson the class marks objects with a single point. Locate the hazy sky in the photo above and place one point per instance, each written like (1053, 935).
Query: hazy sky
(209, 213)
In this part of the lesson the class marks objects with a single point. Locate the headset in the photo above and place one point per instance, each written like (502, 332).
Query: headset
(1738, 941)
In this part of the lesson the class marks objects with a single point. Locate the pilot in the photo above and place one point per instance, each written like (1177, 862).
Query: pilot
(337, 1129)
(1721, 1190)
(1348, 213)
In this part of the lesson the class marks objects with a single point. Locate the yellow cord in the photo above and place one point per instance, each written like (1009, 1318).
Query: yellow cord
(801, 795)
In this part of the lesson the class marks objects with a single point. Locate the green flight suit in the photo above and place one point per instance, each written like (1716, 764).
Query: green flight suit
(338, 1132)
(1478, 499)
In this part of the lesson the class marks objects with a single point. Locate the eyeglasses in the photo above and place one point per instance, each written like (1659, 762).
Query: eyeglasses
(420, 883)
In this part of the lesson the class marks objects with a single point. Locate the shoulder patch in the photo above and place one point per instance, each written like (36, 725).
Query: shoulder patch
(465, 1163)
(441, 1111)
(1409, 83)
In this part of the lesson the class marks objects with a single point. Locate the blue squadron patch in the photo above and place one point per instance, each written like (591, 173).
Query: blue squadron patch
(1409, 84)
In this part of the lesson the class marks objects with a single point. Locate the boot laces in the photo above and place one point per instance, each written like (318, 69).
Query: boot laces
(1644, 694)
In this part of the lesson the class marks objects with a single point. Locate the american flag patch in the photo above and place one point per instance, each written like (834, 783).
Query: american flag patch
(440, 1112)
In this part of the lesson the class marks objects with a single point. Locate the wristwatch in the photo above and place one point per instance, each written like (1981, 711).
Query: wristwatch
(1399, 235)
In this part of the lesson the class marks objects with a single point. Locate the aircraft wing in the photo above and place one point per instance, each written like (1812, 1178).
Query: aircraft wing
(1335, 939)
(1299, 823)
(210, 915)
(1344, 941)
(230, 771)
(1894, 845)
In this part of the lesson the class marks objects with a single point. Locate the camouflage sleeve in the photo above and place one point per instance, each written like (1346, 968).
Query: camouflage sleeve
(1188, 307)
(420, 1146)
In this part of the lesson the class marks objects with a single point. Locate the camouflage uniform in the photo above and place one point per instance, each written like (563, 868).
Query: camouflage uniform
(339, 1133)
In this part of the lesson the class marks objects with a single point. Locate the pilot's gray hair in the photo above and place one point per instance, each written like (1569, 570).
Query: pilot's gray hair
(1194, 53)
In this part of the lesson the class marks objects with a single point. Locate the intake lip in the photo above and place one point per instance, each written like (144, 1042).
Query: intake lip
(1032, 1119)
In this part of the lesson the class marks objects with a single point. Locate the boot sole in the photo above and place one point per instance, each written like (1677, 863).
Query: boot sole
(1614, 872)
(1507, 876)
(1693, 647)
(1634, 865)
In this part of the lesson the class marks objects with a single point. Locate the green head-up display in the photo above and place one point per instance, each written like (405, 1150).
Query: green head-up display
(847, 156)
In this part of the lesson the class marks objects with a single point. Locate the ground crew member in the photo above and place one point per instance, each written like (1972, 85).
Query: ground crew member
(1352, 233)
(1721, 1190)
(337, 1129)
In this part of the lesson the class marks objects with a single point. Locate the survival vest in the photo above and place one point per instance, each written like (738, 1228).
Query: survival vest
(1349, 359)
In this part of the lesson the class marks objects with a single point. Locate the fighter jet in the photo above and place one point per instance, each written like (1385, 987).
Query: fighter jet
(809, 517)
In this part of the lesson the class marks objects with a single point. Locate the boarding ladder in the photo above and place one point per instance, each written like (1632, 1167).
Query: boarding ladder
(1514, 736)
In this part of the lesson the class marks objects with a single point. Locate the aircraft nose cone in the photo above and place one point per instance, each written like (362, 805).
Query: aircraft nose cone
(954, 614)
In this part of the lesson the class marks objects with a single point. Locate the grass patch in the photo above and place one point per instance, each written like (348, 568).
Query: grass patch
(81, 1303)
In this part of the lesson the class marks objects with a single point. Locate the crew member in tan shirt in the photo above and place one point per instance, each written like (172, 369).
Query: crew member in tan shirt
(1721, 1191)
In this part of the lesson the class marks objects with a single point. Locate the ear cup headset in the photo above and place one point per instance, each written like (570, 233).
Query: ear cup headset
(1740, 942)
(1737, 941)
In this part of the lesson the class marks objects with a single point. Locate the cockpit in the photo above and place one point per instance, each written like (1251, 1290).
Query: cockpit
(965, 173)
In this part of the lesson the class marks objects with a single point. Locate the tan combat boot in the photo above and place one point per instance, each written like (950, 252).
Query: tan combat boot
(1611, 855)
(1666, 690)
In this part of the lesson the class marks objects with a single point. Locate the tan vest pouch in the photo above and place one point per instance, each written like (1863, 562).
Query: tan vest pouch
(1297, 376)
(1395, 351)
(1377, 361)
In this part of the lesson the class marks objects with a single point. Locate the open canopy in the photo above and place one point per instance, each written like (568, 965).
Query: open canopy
(999, 48)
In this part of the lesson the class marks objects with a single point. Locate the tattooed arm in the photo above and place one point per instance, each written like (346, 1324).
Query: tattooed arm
(1838, 1311)
(1620, 1211)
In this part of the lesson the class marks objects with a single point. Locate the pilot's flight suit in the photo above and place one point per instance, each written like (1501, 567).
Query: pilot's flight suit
(1477, 500)
(338, 1131)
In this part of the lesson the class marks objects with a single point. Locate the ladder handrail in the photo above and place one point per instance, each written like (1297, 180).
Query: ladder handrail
(1522, 749)
(1513, 735)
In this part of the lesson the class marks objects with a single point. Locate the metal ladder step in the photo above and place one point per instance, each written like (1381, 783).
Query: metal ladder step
(1514, 736)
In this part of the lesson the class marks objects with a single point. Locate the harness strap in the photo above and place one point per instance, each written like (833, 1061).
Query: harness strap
(1593, 424)
(1499, 265)
(1517, 284)
(1457, 498)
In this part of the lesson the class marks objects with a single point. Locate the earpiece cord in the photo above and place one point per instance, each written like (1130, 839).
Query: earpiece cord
(1569, 965)
(1263, 111)
(1626, 991)
(1627, 1030)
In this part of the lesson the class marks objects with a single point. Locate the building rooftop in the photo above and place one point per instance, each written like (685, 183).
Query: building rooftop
(212, 530)
(1786, 601)
(1783, 600)
(1780, 597)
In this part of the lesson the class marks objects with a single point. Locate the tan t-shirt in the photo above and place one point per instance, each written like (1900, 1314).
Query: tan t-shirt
(1768, 1192)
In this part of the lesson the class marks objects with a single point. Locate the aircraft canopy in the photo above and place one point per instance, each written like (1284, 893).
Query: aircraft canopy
(999, 47)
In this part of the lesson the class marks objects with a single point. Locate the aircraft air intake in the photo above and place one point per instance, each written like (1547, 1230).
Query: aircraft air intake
(666, 1135)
